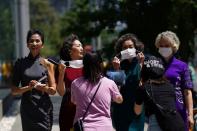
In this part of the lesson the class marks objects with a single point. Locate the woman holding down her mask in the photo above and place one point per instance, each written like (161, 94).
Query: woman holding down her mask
(72, 53)
(128, 63)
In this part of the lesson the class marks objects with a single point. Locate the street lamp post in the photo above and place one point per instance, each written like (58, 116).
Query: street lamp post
(22, 25)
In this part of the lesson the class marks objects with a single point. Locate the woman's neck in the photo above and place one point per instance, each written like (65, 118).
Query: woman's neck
(75, 59)
(34, 54)
(167, 59)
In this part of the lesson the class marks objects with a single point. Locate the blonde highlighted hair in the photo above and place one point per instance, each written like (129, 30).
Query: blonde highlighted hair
(171, 37)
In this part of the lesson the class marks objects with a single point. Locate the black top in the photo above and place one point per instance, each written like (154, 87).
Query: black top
(162, 93)
(36, 107)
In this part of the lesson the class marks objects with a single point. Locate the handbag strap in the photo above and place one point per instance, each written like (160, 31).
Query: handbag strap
(91, 102)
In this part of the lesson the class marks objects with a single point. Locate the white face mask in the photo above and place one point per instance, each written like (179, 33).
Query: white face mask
(165, 52)
(74, 63)
(128, 53)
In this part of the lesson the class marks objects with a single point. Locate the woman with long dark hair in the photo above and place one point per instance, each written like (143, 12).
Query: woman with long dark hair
(82, 91)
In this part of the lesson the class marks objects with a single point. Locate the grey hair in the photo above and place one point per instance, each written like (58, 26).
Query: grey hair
(171, 36)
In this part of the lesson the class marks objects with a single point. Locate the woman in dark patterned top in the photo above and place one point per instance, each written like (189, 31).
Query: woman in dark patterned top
(36, 106)
(129, 64)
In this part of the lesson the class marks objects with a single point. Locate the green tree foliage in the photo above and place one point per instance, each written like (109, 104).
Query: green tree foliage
(183, 20)
(7, 35)
(43, 16)
(87, 19)
(146, 18)
(77, 20)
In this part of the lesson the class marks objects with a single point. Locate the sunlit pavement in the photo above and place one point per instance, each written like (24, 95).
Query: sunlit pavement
(12, 121)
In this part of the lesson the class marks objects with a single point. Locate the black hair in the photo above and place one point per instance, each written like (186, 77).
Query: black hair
(122, 39)
(92, 66)
(66, 47)
(35, 31)
(140, 46)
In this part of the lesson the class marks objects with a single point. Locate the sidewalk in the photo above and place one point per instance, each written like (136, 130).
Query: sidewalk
(56, 100)
(12, 120)
(5, 100)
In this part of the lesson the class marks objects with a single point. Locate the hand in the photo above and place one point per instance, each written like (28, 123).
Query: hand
(61, 68)
(140, 57)
(191, 121)
(41, 87)
(116, 63)
(32, 83)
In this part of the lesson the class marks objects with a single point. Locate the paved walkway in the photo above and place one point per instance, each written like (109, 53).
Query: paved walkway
(12, 121)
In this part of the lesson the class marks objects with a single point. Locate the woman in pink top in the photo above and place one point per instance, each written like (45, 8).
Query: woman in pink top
(82, 90)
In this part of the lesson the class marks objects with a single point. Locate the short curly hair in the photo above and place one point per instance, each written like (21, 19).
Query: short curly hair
(122, 39)
(171, 36)
(66, 47)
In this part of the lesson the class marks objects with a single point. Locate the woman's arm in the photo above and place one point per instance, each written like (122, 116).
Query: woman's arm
(189, 106)
(50, 87)
(61, 83)
(18, 91)
(139, 99)
(119, 99)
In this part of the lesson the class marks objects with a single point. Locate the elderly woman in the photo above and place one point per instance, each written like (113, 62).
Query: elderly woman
(177, 72)
(128, 62)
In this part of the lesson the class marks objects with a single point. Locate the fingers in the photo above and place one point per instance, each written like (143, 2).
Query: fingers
(141, 57)
(116, 59)
(41, 87)
(116, 63)
(61, 67)
(191, 123)
(45, 62)
(32, 83)
(37, 85)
